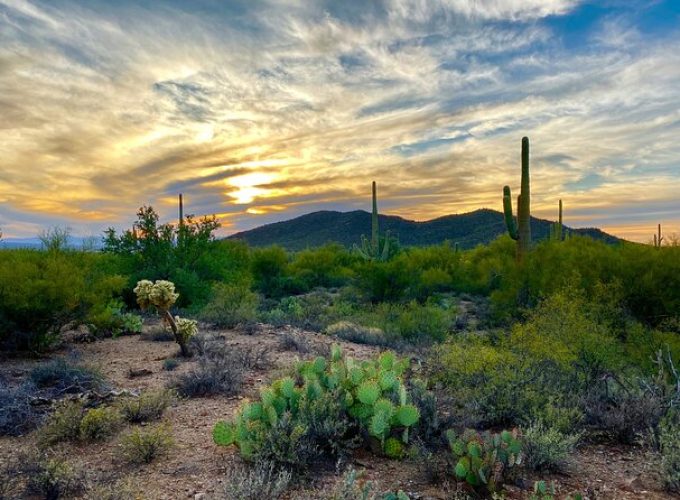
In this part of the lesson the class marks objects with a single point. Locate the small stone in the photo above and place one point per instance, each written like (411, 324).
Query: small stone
(200, 496)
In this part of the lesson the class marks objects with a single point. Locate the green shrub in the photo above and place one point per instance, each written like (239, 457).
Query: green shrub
(170, 364)
(352, 332)
(230, 306)
(546, 448)
(258, 482)
(669, 444)
(150, 405)
(352, 486)
(42, 291)
(62, 425)
(485, 460)
(292, 423)
(99, 424)
(143, 445)
(51, 478)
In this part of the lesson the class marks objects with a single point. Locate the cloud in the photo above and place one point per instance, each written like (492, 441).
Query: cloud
(107, 107)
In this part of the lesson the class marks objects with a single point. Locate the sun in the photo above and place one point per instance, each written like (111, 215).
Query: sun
(247, 186)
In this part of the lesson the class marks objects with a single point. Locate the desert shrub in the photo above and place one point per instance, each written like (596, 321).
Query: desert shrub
(124, 489)
(260, 481)
(485, 461)
(230, 306)
(328, 266)
(42, 291)
(622, 413)
(427, 428)
(17, 415)
(312, 311)
(51, 478)
(212, 375)
(62, 425)
(150, 405)
(669, 444)
(290, 342)
(546, 448)
(99, 424)
(269, 267)
(253, 357)
(144, 444)
(358, 334)
(293, 422)
(352, 485)
(158, 333)
(170, 364)
(9, 480)
(62, 377)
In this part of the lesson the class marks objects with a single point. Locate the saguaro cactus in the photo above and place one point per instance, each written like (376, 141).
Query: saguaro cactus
(556, 227)
(658, 239)
(520, 231)
(370, 250)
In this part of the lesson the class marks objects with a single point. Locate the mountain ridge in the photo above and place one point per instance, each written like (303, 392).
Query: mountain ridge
(469, 229)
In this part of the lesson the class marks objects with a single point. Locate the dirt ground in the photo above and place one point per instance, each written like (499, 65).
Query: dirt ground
(196, 467)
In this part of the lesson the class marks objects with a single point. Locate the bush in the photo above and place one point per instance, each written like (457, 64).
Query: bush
(62, 425)
(290, 342)
(546, 449)
(230, 306)
(51, 478)
(212, 375)
(63, 377)
(253, 357)
(143, 445)
(158, 333)
(170, 364)
(669, 443)
(99, 424)
(17, 415)
(352, 332)
(40, 291)
(352, 486)
(150, 405)
(261, 481)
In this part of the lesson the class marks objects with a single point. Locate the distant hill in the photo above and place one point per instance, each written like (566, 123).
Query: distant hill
(318, 228)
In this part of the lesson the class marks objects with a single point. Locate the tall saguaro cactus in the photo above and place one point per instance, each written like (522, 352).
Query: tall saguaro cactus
(370, 250)
(556, 227)
(520, 231)
(658, 239)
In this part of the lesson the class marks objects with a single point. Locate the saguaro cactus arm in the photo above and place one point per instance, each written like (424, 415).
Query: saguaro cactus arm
(507, 211)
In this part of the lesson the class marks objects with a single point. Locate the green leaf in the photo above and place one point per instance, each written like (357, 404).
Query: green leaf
(223, 434)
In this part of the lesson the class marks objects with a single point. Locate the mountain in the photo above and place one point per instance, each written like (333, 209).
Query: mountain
(468, 230)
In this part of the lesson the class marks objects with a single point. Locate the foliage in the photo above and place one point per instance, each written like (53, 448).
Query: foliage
(261, 481)
(99, 424)
(150, 405)
(292, 421)
(62, 425)
(62, 377)
(230, 306)
(485, 460)
(143, 445)
(358, 334)
(546, 448)
(42, 291)
(51, 478)
(669, 441)
(17, 414)
(170, 364)
(352, 486)
(212, 375)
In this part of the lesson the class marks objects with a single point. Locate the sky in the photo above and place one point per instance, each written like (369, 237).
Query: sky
(263, 110)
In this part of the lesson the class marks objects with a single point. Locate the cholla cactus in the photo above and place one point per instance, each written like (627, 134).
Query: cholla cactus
(143, 293)
(186, 328)
(162, 296)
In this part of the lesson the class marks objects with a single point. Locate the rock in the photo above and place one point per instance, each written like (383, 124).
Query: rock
(200, 496)
(634, 484)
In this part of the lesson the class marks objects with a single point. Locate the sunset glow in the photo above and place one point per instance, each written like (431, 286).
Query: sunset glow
(265, 111)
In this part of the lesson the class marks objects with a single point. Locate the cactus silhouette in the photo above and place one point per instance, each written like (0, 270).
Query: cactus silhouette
(370, 250)
(520, 231)
(556, 227)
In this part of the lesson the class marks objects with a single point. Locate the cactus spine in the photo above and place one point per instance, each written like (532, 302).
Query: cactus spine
(658, 239)
(370, 250)
(556, 227)
(521, 231)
